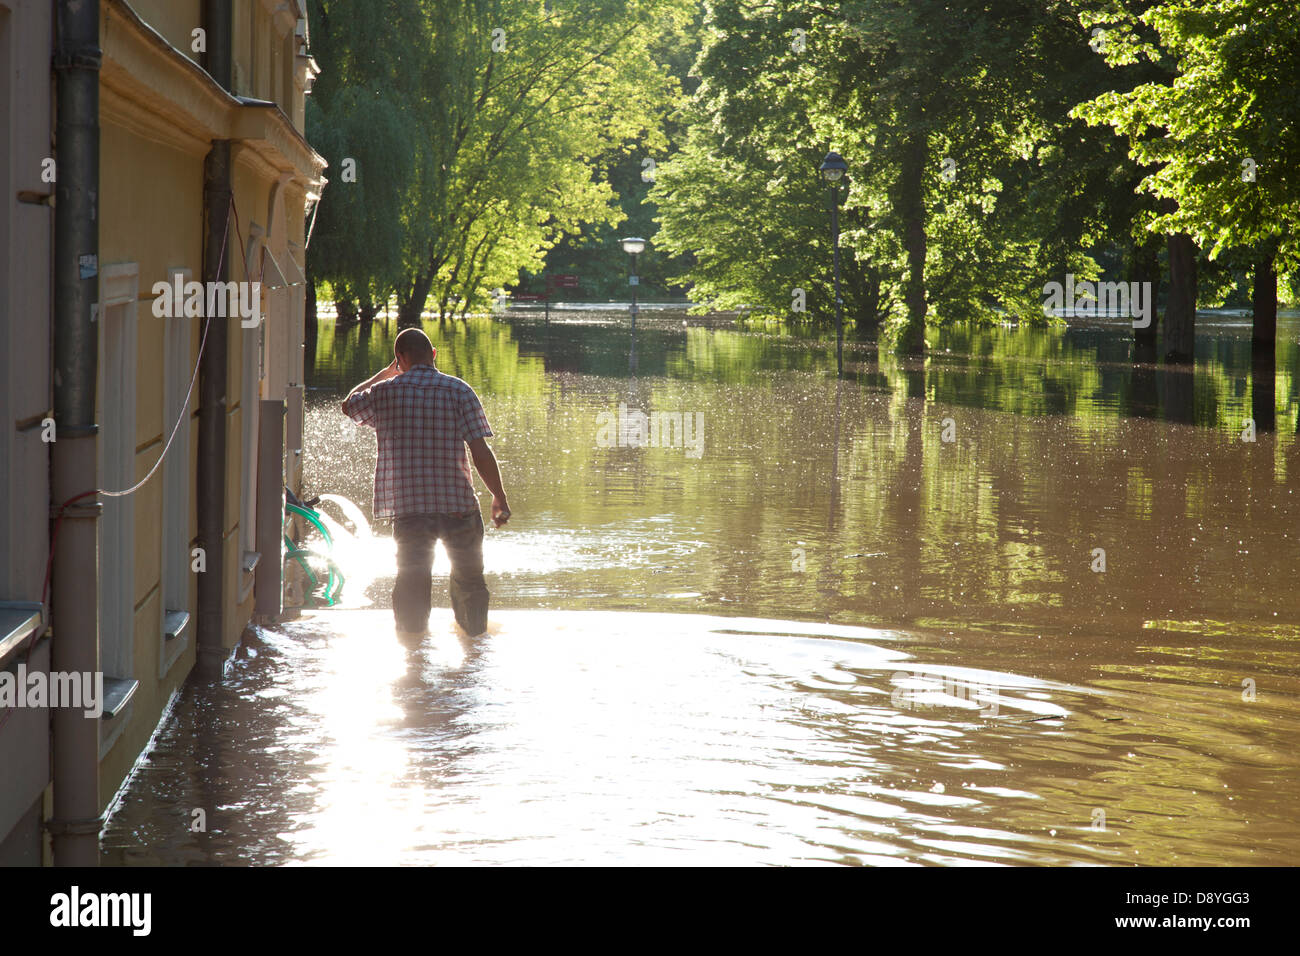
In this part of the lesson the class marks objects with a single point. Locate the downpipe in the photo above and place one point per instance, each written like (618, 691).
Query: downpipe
(74, 609)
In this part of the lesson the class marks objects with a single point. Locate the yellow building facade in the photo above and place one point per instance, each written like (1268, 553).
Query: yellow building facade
(161, 118)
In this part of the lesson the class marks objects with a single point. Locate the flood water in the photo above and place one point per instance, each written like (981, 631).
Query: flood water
(1020, 603)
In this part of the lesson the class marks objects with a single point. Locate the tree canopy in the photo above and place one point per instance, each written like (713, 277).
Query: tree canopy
(479, 147)
(992, 148)
(982, 159)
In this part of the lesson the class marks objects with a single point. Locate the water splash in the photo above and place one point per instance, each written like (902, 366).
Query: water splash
(359, 554)
(352, 511)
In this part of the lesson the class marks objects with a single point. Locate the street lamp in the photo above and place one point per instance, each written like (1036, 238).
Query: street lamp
(633, 246)
(833, 169)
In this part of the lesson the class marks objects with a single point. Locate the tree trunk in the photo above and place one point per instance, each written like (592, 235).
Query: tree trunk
(1263, 345)
(911, 209)
(1144, 391)
(367, 309)
(1263, 337)
(1144, 266)
(867, 324)
(410, 309)
(1180, 310)
(345, 309)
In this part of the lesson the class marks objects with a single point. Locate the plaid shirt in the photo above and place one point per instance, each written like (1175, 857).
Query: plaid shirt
(423, 419)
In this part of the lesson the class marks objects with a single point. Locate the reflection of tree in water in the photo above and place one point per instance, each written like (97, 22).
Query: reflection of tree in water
(1085, 372)
(1053, 451)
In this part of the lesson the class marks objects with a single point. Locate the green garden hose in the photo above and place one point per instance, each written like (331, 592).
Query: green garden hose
(334, 584)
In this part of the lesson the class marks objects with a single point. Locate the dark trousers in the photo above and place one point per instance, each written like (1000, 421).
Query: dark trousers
(462, 536)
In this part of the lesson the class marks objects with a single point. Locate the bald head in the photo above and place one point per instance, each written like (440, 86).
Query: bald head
(413, 347)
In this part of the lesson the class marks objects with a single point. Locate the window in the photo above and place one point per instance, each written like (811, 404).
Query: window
(177, 479)
(117, 397)
(250, 395)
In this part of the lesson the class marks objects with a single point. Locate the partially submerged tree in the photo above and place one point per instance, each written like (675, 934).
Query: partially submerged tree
(1220, 137)
(546, 89)
(473, 127)
(359, 118)
(970, 183)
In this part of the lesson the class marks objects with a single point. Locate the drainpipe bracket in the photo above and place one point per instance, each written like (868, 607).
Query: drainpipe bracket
(78, 431)
(90, 825)
(82, 509)
(87, 58)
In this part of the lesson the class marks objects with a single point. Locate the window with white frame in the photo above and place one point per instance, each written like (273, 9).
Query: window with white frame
(117, 398)
(177, 479)
(249, 405)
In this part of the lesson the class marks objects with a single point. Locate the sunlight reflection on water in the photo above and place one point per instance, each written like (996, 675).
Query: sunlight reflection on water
(591, 737)
(977, 693)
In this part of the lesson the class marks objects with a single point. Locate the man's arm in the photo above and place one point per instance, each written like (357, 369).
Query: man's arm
(390, 371)
(486, 464)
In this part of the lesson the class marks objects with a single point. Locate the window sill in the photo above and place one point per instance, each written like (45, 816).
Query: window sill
(176, 638)
(247, 565)
(174, 624)
(118, 692)
(19, 620)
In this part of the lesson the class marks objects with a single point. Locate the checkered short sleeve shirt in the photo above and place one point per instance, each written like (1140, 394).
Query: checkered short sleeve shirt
(423, 419)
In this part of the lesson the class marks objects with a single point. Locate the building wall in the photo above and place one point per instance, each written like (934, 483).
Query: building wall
(157, 127)
(159, 115)
(26, 235)
(151, 207)
(175, 20)
(263, 60)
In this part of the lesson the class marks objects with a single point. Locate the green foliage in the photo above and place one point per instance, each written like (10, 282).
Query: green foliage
(568, 83)
(497, 140)
(1222, 138)
(358, 115)
(477, 127)
(898, 88)
(595, 255)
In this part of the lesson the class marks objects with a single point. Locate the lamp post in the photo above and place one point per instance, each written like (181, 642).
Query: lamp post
(833, 169)
(633, 246)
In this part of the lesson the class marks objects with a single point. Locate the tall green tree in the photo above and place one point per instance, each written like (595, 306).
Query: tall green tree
(473, 128)
(359, 117)
(966, 191)
(595, 255)
(1226, 145)
(550, 89)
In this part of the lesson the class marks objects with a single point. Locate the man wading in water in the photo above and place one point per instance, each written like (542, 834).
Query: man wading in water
(423, 420)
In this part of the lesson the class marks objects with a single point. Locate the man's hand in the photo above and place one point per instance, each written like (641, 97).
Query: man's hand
(486, 463)
(500, 511)
(389, 371)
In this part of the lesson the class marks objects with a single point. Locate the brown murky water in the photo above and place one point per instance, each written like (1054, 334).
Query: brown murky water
(835, 621)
